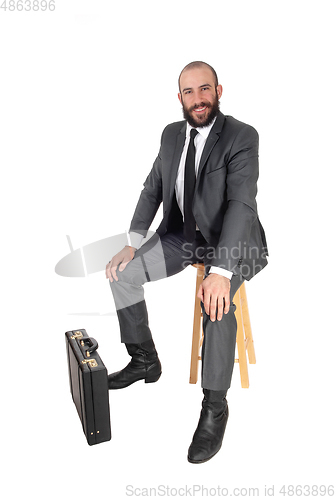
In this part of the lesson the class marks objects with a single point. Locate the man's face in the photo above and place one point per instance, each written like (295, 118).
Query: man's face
(199, 96)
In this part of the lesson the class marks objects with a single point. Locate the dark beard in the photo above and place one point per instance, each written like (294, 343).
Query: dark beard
(214, 110)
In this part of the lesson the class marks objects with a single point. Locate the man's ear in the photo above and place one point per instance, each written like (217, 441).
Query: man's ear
(180, 97)
(219, 91)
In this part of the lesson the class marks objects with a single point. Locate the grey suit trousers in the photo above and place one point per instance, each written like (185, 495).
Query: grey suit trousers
(162, 257)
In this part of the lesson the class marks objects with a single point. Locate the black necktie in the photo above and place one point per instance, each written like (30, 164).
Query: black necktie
(189, 188)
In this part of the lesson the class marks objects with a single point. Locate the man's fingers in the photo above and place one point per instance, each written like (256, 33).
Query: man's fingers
(220, 307)
(114, 274)
(227, 303)
(108, 271)
(111, 271)
(223, 306)
(125, 261)
(206, 302)
(213, 307)
(200, 293)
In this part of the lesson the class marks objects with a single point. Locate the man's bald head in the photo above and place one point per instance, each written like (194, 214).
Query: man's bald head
(198, 64)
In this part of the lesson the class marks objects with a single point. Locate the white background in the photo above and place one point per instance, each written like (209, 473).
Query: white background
(78, 86)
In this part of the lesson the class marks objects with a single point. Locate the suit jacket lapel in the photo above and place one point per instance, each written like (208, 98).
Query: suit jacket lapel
(211, 141)
(176, 158)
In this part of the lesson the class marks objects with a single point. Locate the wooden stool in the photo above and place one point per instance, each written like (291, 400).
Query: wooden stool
(244, 333)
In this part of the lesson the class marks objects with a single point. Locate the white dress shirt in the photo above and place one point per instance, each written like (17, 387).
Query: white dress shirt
(199, 141)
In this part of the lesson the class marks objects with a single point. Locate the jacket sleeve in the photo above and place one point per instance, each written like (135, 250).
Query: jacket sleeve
(149, 200)
(241, 191)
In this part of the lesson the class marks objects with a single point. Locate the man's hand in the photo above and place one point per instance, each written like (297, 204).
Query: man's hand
(214, 292)
(121, 259)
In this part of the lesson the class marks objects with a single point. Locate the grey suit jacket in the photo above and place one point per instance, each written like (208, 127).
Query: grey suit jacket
(224, 205)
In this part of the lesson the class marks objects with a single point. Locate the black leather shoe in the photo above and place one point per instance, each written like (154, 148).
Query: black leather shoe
(144, 365)
(209, 434)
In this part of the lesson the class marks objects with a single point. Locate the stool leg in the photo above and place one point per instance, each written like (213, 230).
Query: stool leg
(244, 379)
(247, 326)
(195, 345)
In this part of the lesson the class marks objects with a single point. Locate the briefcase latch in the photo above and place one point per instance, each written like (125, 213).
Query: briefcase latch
(77, 335)
(91, 362)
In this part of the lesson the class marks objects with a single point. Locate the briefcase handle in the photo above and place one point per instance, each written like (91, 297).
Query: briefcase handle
(92, 347)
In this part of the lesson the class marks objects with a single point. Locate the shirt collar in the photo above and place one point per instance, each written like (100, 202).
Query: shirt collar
(204, 131)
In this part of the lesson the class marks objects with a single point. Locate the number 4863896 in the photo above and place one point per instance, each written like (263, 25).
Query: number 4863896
(27, 5)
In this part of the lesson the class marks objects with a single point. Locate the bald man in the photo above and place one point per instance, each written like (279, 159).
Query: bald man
(205, 175)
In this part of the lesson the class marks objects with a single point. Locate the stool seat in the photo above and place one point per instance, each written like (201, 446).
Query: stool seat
(244, 338)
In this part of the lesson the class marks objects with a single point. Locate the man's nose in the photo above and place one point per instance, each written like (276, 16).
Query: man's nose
(198, 96)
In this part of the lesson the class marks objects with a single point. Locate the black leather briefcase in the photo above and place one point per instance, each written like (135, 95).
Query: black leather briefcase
(88, 385)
